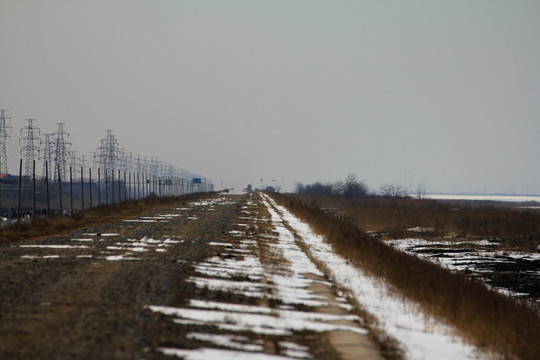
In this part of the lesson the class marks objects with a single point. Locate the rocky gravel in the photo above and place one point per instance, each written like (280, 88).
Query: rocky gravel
(83, 295)
(213, 278)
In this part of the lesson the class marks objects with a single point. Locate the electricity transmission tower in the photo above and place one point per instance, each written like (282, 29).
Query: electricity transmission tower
(74, 161)
(108, 153)
(139, 164)
(30, 151)
(61, 152)
(47, 156)
(3, 141)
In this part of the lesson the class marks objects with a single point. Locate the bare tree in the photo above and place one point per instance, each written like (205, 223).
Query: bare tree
(337, 188)
(420, 191)
(353, 188)
(349, 188)
(393, 190)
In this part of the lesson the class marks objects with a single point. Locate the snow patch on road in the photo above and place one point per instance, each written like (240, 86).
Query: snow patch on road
(218, 354)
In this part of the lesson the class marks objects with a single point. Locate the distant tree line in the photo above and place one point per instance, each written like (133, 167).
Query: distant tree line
(349, 188)
(352, 188)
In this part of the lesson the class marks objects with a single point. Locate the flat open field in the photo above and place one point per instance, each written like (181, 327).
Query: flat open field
(238, 276)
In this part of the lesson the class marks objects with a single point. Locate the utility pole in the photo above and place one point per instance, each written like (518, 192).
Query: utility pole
(3, 141)
(30, 151)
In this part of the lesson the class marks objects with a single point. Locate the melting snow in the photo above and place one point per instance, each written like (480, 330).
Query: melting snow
(283, 322)
(218, 354)
(231, 341)
(421, 336)
(41, 246)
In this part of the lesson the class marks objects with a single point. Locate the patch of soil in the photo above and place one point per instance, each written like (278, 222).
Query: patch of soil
(73, 303)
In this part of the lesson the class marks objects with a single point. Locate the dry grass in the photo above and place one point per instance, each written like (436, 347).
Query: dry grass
(517, 228)
(47, 226)
(484, 317)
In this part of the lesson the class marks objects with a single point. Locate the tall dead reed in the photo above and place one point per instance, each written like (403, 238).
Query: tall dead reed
(517, 228)
(483, 316)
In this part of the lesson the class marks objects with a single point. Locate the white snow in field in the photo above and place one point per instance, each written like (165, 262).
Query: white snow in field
(169, 216)
(416, 242)
(230, 341)
(43, 246)
(130, 246)
(290, 286)
(214, 305)
(421, 229)
(109, 234)
(120, 257)
(248, 242)
(470, 259)
(294, 350)
(248, 266)
(40, 257)
(420, 336)
(213, 202)
(246, 288)
(283, 322)
(505, 198)
(459, 260)
(285, 313)
(140, 220)
(288, 283)
(83, 240)
(218, 354)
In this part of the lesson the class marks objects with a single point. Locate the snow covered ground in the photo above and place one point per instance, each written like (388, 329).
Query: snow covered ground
(505, 198)
(239, 270)
(235, 330)
(420, 336)
(479, 258)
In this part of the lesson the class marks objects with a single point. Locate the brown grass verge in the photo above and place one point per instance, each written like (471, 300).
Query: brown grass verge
(47, 226)
(484, 317)
(516, 228)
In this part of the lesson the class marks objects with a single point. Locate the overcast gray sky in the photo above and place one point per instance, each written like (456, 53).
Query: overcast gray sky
(445, 93)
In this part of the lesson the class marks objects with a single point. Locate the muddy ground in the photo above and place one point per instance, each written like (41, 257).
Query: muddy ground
(86, 294)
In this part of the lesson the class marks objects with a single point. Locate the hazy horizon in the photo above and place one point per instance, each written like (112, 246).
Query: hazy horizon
(443, 94)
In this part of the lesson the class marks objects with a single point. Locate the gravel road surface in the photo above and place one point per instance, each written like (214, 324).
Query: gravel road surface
(216, 278)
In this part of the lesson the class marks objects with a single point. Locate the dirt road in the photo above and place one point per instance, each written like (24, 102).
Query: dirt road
(212, 279)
